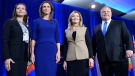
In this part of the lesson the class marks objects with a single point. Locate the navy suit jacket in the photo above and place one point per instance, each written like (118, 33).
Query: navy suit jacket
(114, 44)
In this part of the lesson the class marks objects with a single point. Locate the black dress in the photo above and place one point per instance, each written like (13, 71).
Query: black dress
(77, 67)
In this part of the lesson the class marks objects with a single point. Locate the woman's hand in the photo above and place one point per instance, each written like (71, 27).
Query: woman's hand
(57, 57)
(65, 65)
(7, 64)
(32, 58)
(91, 63)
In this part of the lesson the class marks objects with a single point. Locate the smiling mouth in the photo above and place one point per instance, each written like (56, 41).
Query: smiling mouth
(106, 15)
(75, 19)
(46, 11)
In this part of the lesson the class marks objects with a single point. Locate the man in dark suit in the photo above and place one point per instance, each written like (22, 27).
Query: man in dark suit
(113, 44)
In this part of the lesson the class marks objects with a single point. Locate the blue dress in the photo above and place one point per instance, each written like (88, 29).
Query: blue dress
(46, 35)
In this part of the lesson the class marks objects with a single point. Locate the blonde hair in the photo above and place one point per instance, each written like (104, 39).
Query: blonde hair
(70, 24)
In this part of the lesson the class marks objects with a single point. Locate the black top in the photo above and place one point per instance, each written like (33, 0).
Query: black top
(87, 40)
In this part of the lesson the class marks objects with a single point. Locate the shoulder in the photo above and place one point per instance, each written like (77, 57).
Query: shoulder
(83, 28)
(117, 21)
(55, 21)
(68, 29)
(38, 21)
(97, 28)
(10, 21)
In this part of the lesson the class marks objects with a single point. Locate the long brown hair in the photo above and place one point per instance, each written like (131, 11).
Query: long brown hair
(14, 15)
(41, 12)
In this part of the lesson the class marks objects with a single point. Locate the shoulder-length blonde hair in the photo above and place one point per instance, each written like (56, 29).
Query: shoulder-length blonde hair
(70, 24)
(14, 15)
(41, 12)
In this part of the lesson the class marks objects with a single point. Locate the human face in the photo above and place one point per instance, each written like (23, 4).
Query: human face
(75, 19)
(46, 8)
(21, 10)
(106, 13)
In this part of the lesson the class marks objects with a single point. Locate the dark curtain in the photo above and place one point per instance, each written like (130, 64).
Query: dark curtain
(61, 13)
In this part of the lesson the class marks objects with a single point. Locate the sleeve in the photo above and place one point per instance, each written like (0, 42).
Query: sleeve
(57, 36)
(126, 37)
(94, 45)
(65, 47)
(35, 31)
(88, 43)
(5, 40)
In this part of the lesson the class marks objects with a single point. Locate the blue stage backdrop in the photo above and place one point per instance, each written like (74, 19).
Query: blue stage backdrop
(61, 13)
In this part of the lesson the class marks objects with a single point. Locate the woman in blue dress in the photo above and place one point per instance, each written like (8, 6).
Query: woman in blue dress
(45, 42)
